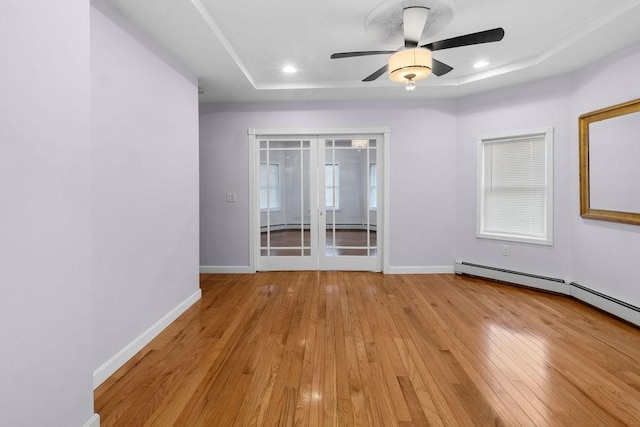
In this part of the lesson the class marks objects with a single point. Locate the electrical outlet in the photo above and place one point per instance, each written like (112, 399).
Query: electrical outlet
(506, 250)
(231, 197)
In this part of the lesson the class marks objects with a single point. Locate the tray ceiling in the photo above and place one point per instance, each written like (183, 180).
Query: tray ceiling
(238, 49)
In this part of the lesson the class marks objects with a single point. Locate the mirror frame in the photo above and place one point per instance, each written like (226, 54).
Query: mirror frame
(584, 121)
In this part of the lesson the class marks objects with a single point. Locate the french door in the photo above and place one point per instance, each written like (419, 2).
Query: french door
(317, 202)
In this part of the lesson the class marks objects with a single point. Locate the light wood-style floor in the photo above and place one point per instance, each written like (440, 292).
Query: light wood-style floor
(342, 349)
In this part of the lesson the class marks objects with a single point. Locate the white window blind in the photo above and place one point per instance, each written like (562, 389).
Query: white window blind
(514, 188)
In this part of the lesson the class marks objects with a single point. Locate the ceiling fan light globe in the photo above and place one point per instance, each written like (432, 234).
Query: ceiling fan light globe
(416, 62)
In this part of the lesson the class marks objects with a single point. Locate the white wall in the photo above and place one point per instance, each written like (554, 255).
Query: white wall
(422, 173)
(145, 183)
(604, 255)
(45, 218)
(541, 104)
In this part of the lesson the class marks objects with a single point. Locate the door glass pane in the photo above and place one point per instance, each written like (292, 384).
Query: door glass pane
(284, 198)
(332, 185)
(343, 143)
(348, 195)
(285, 144)
(264, 200)
(373, 197)
(306, 200)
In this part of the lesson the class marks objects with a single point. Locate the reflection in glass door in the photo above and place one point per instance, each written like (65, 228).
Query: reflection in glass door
(348, 225)
(318, 203)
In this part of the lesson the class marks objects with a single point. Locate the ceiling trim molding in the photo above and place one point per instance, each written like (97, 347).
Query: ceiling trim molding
(202, 10)
(319, 131)
(587, 29)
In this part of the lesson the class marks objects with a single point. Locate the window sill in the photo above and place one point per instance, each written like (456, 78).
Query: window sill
(520, 239)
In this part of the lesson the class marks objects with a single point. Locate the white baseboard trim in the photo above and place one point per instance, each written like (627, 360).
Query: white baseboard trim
(221, 269)
(120, 358)
(439, 269)
(524, 279)
(93, 421)
(611, 305)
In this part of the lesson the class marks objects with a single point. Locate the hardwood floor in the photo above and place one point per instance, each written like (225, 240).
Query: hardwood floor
(341, 348)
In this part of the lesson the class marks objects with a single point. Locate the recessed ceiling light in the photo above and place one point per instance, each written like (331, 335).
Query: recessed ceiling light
(289, 69)
(480, 64)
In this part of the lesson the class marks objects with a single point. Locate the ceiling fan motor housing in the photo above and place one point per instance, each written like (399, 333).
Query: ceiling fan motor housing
(410, 64)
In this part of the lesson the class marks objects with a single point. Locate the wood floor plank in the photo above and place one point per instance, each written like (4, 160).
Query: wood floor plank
(365, 349)
(309, 334)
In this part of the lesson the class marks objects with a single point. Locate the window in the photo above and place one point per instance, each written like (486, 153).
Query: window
(373, 187)
(332, 186)
(515, 190)
(269, 186)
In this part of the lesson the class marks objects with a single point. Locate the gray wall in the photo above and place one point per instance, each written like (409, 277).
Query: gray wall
(422, 162)
(145, 183)
(45, 217)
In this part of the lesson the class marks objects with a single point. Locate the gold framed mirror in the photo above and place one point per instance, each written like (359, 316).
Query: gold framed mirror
(609, 163)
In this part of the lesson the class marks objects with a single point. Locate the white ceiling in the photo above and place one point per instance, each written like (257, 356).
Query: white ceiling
(238, 48)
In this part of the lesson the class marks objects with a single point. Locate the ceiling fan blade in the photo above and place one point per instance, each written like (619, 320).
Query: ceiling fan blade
(413, 21)
(488, 36)
(377, 74)
(440, 68)
(364, 53)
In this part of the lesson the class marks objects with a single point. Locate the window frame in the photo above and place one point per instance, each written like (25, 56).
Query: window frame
(484, 140)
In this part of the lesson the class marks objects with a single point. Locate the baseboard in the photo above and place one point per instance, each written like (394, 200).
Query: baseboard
(549, 284)
(221, 269)
(611, 305)
(120, 358)
(93, 421)
(442, 269)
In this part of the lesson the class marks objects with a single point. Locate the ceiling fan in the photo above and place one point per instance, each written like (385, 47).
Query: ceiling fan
(413, 62)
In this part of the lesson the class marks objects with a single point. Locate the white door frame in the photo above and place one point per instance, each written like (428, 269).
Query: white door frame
(254, 219)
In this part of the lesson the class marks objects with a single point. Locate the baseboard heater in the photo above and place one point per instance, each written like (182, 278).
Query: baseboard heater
(549, 284)
(604, 302)
(618, 308)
